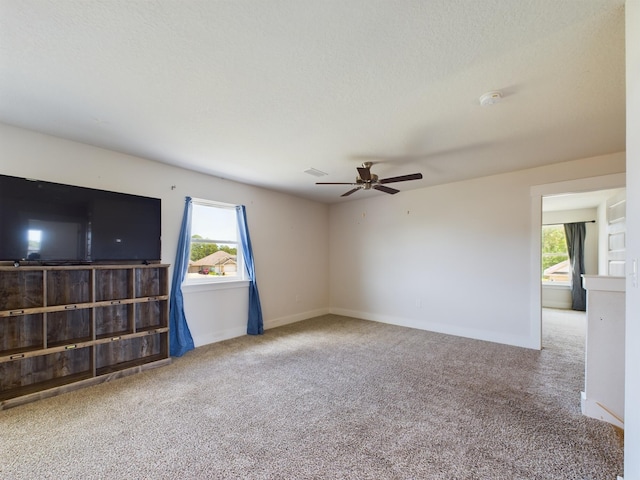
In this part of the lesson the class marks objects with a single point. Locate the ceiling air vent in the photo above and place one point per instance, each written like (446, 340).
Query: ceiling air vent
(315, 172)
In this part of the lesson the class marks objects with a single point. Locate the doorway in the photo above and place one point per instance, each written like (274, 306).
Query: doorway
(558, 197)
(603, 243)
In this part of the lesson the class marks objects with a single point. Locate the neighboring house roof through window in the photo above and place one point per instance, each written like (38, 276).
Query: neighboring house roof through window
(218, 258)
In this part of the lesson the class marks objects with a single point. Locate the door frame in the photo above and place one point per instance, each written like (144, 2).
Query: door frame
(604, 182)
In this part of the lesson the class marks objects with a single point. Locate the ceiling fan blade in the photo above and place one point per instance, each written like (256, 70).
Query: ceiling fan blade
(335, 183)
(402, 178)
(384, 189)
(350, 192)
(365, 173)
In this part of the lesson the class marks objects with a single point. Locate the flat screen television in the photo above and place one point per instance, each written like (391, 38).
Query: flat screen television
(50, 223)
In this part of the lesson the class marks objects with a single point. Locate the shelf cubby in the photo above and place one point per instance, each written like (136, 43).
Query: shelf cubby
(68, 286)
(21, 333)
(32, 374)
(66, 327)
(150, 315)
(113, 284)
(113, 320)
(21, 289)
(150, 282)
(130, 352)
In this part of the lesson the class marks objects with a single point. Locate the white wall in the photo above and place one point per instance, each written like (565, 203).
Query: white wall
(632, 378)
(453, 258)
(559, 296)
(285, 230)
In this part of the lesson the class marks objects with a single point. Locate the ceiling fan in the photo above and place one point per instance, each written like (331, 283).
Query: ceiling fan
(367, 180)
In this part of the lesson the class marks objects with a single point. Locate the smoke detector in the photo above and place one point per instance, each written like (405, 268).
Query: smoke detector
(490, 98)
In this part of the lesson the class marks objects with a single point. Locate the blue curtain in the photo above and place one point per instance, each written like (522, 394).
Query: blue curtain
(254, 323)
(180, 340)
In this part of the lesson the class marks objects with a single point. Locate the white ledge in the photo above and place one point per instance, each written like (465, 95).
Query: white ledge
(209, 286)
(603, 282)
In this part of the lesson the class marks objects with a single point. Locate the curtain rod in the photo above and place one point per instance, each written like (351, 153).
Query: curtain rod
(562, 223)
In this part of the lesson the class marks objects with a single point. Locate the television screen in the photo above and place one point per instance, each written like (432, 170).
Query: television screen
(44, 222)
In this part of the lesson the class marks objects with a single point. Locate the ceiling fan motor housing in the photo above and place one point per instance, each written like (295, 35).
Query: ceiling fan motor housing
(365, 180)
(367, 183)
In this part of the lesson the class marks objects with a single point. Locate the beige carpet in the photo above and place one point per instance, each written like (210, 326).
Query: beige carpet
(328, 398)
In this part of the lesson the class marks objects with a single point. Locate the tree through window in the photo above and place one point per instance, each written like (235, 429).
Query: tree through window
(215, 254)
(555, 255)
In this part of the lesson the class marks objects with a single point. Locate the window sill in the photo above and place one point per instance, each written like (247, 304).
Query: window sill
(557, 285)
(201, 286)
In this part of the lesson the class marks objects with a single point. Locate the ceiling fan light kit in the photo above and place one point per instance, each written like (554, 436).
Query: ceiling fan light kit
(365, 180)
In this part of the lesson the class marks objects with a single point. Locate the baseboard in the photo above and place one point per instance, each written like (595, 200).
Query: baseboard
(556, 305)
(279, 322)
(239, 331)
(593, 409)
(513, 340)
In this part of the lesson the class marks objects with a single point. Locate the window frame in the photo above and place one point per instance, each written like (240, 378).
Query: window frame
(220, 281)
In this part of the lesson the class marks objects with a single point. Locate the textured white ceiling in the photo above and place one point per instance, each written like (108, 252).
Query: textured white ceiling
(259, 91)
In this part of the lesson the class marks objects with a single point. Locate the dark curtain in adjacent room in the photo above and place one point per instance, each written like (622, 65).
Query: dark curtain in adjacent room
(575, 234)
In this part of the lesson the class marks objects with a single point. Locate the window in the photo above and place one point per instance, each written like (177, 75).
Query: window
(34, 243)
(555, 256)
(215, 253)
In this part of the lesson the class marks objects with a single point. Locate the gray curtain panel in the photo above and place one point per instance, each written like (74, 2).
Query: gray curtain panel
(575, 233)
